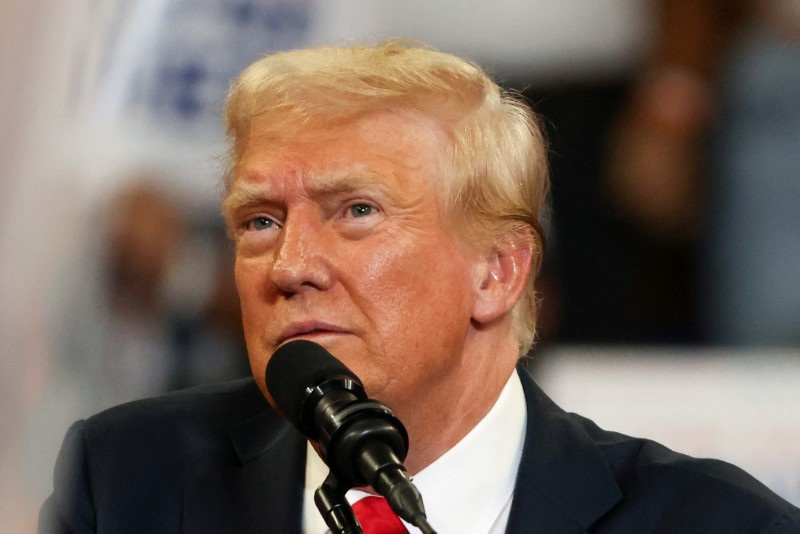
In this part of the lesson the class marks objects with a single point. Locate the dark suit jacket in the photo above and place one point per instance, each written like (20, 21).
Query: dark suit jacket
(218, 459)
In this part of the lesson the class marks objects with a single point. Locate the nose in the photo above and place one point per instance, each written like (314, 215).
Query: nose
(300, 258)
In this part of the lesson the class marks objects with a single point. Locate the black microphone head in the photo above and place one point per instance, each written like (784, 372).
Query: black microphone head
(298, 367)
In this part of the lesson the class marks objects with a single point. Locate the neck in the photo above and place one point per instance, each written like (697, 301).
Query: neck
(446, 411)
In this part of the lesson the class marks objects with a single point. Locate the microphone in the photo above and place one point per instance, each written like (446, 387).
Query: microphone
(360, 439)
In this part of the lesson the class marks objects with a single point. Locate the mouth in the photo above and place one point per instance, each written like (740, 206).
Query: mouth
(308, 330)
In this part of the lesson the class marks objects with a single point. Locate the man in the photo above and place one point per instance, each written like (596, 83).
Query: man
(384, 202)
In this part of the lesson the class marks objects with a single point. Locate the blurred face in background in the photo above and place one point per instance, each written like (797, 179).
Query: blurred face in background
(144, 233)
(340, 240)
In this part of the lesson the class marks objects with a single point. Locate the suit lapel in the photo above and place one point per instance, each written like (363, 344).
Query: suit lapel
(564, 483)
(262, 492)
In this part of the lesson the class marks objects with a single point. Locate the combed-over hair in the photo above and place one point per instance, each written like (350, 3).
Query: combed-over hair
(494, 177)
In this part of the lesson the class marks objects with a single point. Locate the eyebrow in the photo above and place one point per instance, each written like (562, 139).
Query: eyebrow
(243, 195)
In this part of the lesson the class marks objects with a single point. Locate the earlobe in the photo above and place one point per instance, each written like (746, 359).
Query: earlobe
(502, 277)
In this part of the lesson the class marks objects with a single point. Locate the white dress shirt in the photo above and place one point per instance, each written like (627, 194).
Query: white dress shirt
(467, 489)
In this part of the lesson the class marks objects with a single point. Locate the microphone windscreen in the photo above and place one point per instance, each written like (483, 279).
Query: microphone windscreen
(299, 366)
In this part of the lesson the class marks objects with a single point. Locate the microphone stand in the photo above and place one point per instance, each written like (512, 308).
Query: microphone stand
(335, 509)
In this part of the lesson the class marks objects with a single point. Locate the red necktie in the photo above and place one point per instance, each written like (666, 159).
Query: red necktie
(376, 517)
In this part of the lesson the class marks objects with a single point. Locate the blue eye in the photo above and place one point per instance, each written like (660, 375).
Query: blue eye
(261, 223)
(360, 210)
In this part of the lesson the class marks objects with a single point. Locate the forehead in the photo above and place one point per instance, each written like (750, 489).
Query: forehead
(386, 147)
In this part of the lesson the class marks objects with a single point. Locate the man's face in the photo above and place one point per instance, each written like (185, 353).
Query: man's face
(340, 240)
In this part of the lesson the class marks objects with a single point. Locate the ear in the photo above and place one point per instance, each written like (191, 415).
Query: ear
(501, 277)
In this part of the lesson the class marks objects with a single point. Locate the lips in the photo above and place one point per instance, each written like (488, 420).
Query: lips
(305, 329)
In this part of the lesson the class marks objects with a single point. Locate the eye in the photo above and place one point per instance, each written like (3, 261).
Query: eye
(261, 222)
(361, 210)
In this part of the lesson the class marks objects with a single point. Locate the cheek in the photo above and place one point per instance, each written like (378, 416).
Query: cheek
(244, 286)
(248, 286)
(420, 297)
(399, 280)
(249, 280)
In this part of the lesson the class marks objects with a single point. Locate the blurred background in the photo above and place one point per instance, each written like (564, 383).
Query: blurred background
(672, 270)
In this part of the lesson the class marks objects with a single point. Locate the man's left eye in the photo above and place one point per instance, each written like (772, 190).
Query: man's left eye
(360, 210)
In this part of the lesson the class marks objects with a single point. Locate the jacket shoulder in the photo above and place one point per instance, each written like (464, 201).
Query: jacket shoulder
(692, 494)
(183, 421)
(130, 464)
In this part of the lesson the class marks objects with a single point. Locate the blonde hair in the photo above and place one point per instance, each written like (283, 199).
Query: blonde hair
(494, 176)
